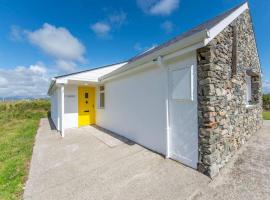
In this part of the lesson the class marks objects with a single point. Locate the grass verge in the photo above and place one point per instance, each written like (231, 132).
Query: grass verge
(266, 115)
(18, 126)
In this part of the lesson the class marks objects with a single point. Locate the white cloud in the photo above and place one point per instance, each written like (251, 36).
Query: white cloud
(112, 22)
(3, 81)
(266, 86)
(167, 26)
(101, 29)
(118, 18)
(67, 66)
(164, 7)
(138, 47)
(57, 42)
(16, 33)
(32, 81)
(38, 69)
(158, 7)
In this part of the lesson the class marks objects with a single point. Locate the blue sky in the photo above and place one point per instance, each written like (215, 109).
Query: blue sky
(43, 38)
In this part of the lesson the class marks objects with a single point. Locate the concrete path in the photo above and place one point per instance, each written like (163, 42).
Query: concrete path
(91, 164)
(247, 176)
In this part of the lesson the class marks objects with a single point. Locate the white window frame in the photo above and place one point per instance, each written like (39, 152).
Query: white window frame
(248, 89)
(99, 95)
(189, 72)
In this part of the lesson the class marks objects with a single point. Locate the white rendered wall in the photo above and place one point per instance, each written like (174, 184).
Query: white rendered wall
(55, 115)
(71, 106)
(135, 107)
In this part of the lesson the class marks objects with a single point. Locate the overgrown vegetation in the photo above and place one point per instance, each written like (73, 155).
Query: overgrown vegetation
(18, 125)
(266, 106)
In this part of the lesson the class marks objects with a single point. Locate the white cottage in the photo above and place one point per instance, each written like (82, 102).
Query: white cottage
(151, 99)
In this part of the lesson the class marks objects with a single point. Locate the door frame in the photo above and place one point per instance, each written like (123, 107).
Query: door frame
(94, 104)
(190, 63)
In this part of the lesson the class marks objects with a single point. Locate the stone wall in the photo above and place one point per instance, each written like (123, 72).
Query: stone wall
(225, 121)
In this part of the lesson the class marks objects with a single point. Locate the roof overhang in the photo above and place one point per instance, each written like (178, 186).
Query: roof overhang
(214, 31)
(51, 87)
(180, 47)
(71, 81)
(87, 77)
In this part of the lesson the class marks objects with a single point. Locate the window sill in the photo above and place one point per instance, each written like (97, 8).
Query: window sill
(250, 106)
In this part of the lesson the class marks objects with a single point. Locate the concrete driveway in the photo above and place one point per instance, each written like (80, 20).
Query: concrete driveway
(92, 164)
(247, 175)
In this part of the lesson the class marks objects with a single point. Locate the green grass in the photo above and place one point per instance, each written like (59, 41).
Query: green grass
(18, 125)
(266, 115)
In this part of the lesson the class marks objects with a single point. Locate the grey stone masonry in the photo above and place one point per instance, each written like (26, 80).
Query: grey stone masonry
(226, 119)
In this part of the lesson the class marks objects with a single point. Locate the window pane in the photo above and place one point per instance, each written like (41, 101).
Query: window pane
(102, 100)
(101, 88)
(181, 87)
(249, 95)
(86, 95)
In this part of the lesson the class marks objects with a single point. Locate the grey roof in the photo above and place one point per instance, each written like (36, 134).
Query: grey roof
(92, 69)
(204, 26)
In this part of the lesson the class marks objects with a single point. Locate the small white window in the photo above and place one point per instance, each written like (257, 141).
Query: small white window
(101, 96)
(249, 90)
(182, 84)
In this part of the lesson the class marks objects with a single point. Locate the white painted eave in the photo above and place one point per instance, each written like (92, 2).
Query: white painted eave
(213, 32)
(186, 43)
(51, 87)
(88, 77)
(66, 80)
(74, 81)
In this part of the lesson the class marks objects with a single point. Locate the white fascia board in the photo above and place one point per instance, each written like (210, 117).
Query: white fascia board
(127, 71)
(213, 32)
(61, 81)
(51, 87)
(67, 79)
(83, 79)
(184, 51)
(179, 45)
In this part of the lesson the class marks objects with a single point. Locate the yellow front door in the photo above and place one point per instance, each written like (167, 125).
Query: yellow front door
(86, 105)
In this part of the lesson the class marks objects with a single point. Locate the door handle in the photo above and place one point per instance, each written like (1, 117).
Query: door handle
(86, 111)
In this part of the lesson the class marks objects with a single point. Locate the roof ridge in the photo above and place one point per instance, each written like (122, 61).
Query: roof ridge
(200, 27)
(204, 26)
